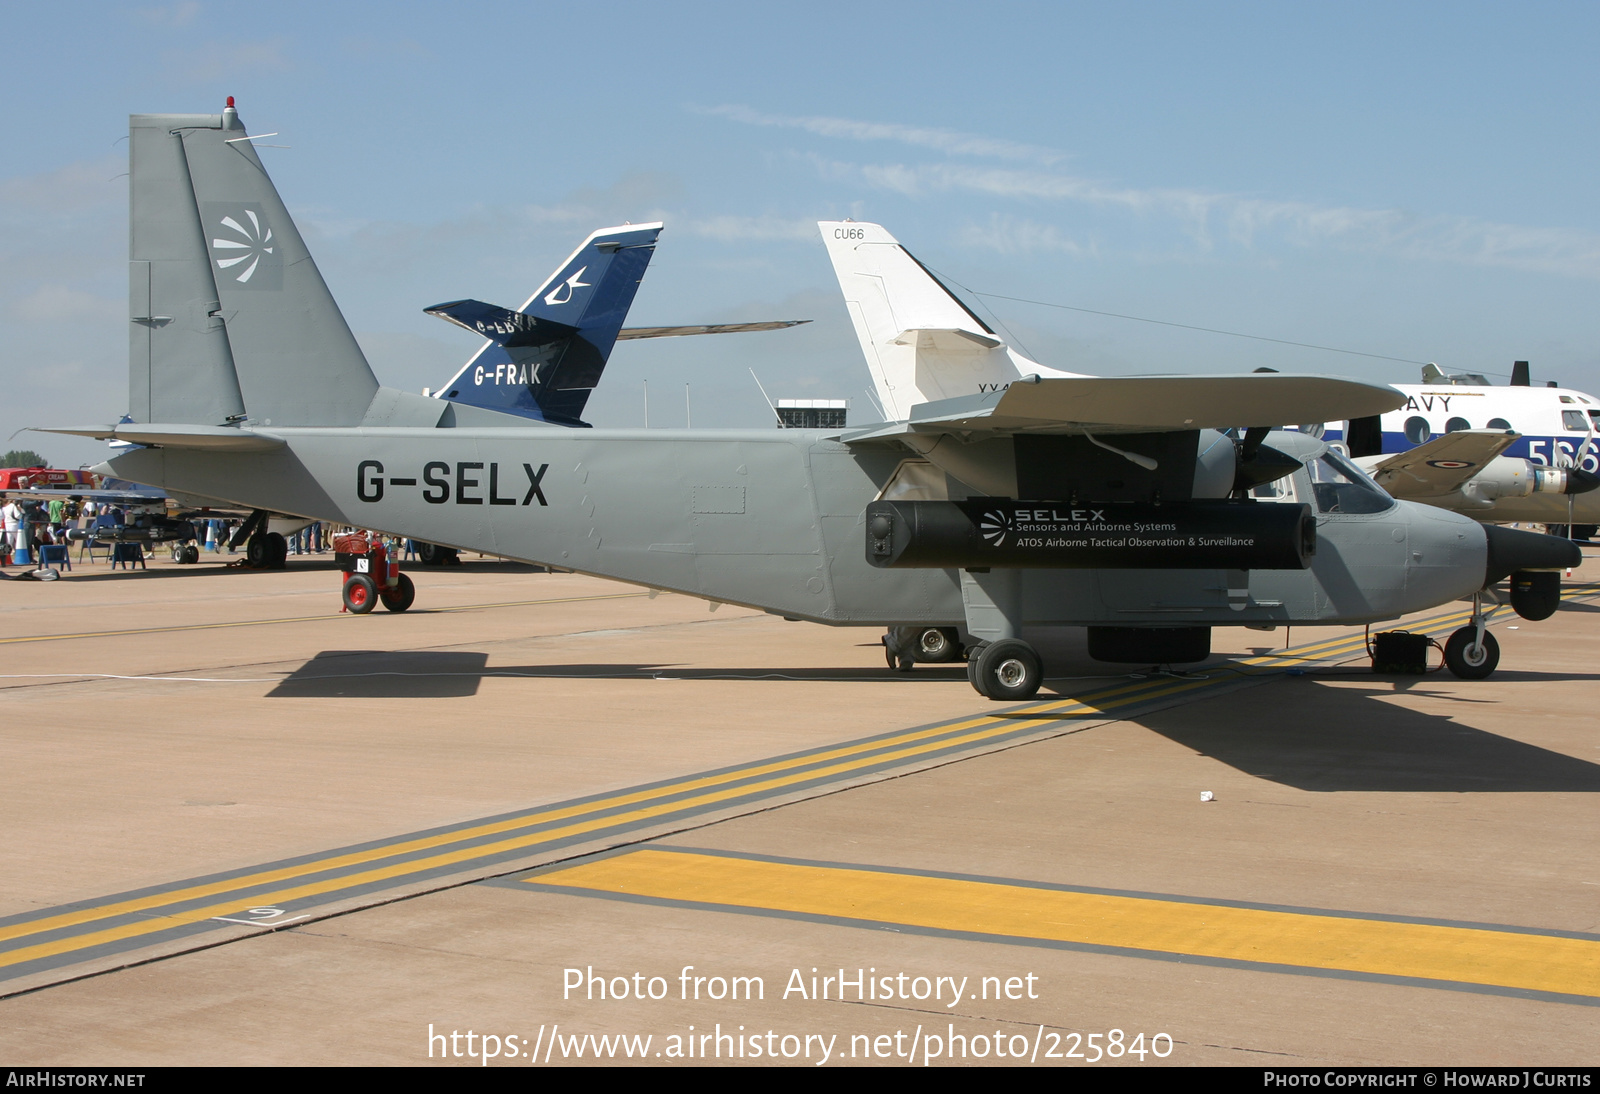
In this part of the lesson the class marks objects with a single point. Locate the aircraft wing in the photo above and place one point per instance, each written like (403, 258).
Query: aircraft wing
(707, 328)
(1442, 464)
(1143, 404)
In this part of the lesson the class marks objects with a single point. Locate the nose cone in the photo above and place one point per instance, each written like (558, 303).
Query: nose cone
(1511, 550)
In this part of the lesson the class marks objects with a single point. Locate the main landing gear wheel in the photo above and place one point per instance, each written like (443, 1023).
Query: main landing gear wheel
(360, 594)
(277, 551)
(1007, 671)
(1468, 660)
(938, 644)
(257, 551)
(397, 598)
(191, 553)
(432, 554)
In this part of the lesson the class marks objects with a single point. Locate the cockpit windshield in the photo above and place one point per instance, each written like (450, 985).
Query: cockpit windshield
(1339, 487)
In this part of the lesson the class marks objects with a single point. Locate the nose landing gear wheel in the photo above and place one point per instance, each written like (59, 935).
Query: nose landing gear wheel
(1468, 660)
(360, 594)
(1007, 671)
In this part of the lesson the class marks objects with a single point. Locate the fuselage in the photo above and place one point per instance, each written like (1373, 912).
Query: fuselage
(773, 519)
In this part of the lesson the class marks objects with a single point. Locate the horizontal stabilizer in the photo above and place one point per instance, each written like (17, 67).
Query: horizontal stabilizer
(1442, 464)
(1115, 404)
(708, 328)
(502, 325)
(217, 438)
(953, 340)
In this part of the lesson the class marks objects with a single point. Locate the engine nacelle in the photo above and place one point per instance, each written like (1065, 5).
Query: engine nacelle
(1514, 477)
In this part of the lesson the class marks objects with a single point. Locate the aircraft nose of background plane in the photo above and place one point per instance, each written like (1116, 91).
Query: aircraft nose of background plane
(1511, 550)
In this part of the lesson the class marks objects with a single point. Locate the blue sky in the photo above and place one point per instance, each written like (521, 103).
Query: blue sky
(1413, 181)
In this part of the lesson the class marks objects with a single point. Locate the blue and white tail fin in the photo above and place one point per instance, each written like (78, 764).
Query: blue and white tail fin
(922, 344)
(542, 360)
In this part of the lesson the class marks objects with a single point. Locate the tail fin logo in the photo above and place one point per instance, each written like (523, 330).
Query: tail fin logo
(562, 293)
(244, 247)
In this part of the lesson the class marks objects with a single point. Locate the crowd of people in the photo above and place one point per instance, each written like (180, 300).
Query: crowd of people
(28, 523)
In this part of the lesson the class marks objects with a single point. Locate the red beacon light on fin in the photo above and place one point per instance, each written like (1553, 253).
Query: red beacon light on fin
(230, 102)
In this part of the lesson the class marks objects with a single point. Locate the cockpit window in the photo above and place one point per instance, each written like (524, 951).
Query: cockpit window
(1572, 420)
(1340, 488)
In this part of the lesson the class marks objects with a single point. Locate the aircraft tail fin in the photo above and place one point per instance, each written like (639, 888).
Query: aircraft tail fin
(921, 342)
(232, 322)
(543, 360)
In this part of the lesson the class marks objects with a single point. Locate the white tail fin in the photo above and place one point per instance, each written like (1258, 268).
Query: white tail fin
(921, 343)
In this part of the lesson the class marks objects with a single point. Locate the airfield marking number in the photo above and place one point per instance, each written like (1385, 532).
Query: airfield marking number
(262, 917)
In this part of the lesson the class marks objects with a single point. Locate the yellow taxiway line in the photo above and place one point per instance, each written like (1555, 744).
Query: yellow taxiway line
(1491, 957)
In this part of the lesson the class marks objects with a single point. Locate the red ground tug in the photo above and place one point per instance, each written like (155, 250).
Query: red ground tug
(371, 574)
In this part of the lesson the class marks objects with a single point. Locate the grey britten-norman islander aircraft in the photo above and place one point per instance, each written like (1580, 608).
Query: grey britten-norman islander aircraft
(1111, 503)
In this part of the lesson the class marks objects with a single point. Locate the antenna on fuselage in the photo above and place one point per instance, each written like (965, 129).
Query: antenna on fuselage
(770, 404)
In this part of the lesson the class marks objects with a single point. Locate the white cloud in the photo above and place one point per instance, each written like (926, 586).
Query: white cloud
(88, 186)
(1012, 235)
(949, 141)
(733, 228)
(172, 15)
(1249, 223)
(63, 304)
(214, 61)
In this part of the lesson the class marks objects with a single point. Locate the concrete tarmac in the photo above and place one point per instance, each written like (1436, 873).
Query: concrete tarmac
(248, 829)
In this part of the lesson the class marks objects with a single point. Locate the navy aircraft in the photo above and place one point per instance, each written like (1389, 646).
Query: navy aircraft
(1110, 503)
(1501, 454)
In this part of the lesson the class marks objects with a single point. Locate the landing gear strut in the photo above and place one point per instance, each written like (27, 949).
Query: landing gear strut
(1003, 667)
